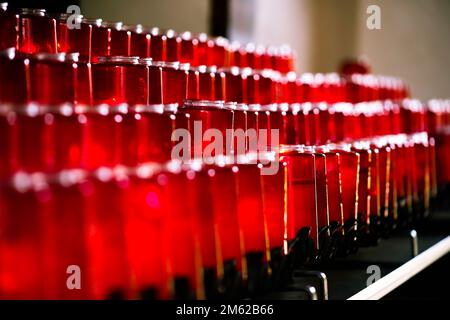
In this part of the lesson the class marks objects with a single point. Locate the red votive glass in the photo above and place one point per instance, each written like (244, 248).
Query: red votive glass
(120, 44)
(145, 217)
(107, 270)
(53, 78)
(301, 196)
(119, 80)
(38, 32)
(9, 28)
(15, 86)
(158, 45)
(98, 145)
(21, 242)
(153, 129)
(250, 210)
(139, 41)
(73, 40)
(100, 39)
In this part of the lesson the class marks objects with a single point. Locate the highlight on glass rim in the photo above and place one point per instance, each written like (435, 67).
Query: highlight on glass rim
(217, 158)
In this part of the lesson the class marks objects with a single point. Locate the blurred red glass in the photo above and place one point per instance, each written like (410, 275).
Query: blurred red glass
(9, 28)
(98, 144)
(139, 41)
(74, 40)
(101, 39)
(145, 216)
(217, 52)
(184, 251)
(21, 242)
(225, 201)
(158, 45)
(174, 82)
(173, 46)
(119, 80)
(15, 84)
(250, 210)
(204, 115)
(67, 137)
(105, 241)
(189, 49)
(349, 163)
(38, 32)
(53, 78)
(273, 193)
(301, 196)
(153, 134)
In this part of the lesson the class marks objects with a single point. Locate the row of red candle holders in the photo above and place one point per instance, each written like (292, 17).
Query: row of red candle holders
(37, 138)
(228, 230)
(58, 78)
(34, 31)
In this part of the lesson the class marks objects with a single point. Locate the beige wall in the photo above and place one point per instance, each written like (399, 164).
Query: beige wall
(413, 43)
(180, 15)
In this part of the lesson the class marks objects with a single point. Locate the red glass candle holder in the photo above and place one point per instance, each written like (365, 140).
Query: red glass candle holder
(158, 45)
(189, 49)
(73, 40)
(204, 115)
(301, 196)
(349, 170)
(364, 185)
(247, 138)
(174, 81)
(38, 32)
(207, 89)
(107, 270)
(119, 80)
(332, 161)
(9, 28)
(334, 88)
(145, 216)
(101, 39)
(98, 144)
(423, 171)
(323, 215)
(15, 83)
(225, 201)
(145, 226)
(250, 211)
(184, 252)
(237, 56)
(21, 240)
(53, 78)
(173, 46)
(65, 232)
(284, 59)
(235, 85)
(139, 41)
(67, 137)
(254, 56)
(275, 211)
(217, 52)
(153, 127)
(120, 39)
(7, 118)
(206, 233)
(33, 141)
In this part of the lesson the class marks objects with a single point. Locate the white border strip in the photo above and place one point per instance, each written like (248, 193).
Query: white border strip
(402, 274)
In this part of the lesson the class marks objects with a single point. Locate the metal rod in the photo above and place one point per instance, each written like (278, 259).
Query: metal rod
(414, 243)
(319, 275)
(402, 274)
(312, 292)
